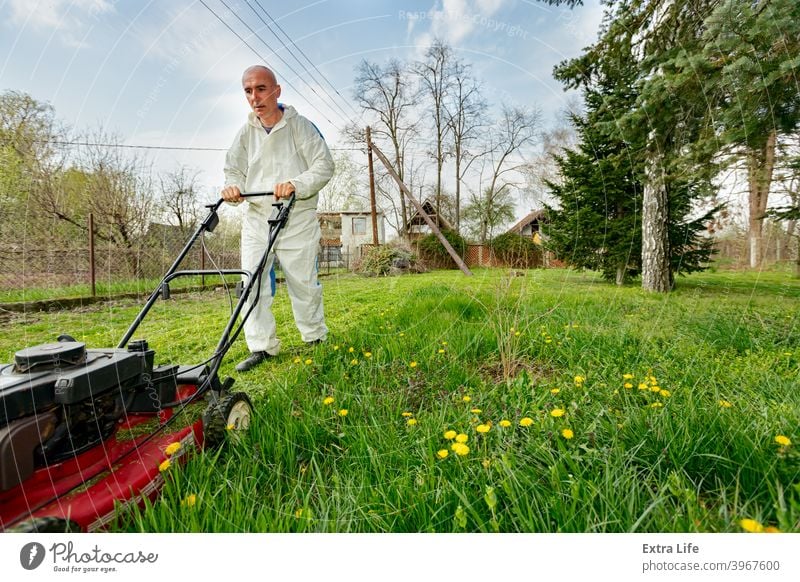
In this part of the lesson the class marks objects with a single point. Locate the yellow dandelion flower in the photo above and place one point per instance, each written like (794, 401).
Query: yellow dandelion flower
(665, 393)
(725, 404)
(230, 427)
(516, 334)
(567, 433)
(189, 500)
(444, 343)
(557, 412)
(657, 405)
(351, 349)
(308, 361)
(412, 365)
(328, 400)
(467, 399)
(652, 380)
(486, 463)
(527, 421)
(548, 341)
(579, 379)
(751, 525)
(642, 386)
(367, 354)
(476, 410)
(655, 389)
(450, 435)
(441, 351)
(297, 360)
(628, 385)
(555, 390)
(771, 529)
(298, 513)
(461, 438)
(172, 448)
(442, 453)
(505, 423)
(782, 440)
(483, 428)
(460, 449)
(627, 376)
(354, 362)
(165, 465)
(343, 412)
(408, 414)
(336, 347)
(402, 334)
(411, 421)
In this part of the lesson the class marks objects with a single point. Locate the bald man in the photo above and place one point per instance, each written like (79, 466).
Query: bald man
(281, 151)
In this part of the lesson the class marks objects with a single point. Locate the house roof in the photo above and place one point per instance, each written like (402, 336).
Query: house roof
(535, 215)
(429, 209)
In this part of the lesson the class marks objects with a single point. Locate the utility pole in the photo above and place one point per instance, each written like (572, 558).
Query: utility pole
(372, 189)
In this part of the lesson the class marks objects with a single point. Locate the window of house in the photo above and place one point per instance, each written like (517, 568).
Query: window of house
(360, 225)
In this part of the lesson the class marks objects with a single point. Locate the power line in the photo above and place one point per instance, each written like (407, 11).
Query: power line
(131, 146)
(152, 147)
(218, 17)
(288, 51)
(294, 44)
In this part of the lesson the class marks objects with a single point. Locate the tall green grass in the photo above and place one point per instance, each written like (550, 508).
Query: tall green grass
(691, 449)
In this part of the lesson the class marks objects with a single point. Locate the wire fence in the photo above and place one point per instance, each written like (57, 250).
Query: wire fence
(35, 271)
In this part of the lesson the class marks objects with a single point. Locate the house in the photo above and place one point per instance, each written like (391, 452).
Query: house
(418, 227)
(531, 226)
(344, 234)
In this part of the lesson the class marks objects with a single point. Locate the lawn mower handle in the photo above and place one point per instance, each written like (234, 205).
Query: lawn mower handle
(208, 225)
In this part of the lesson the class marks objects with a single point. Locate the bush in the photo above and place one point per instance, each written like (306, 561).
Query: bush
(388, 259)
(516, 250)
(433, 251)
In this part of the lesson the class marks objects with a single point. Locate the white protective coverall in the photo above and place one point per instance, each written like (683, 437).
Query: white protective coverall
(294, 151)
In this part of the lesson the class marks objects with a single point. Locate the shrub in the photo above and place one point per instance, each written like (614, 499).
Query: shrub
(516, 250)
(384, 259)
(433, 251)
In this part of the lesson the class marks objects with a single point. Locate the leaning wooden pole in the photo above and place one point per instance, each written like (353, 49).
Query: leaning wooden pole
(451, 251)
(372, 189)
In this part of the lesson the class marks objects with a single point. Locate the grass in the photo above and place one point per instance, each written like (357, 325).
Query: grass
(691, 449)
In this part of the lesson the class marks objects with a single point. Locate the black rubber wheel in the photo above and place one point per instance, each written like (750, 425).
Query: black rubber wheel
(233, 410)
(46, 525)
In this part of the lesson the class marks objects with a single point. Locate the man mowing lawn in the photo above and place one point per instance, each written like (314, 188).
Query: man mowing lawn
(279, 150)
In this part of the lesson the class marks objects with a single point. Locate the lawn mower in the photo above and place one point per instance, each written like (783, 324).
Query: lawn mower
(86, 432)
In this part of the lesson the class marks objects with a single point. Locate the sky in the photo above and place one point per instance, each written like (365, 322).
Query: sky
(168, 73)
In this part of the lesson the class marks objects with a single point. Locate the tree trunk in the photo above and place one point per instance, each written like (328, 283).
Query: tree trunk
(458, 190)
(760, 164)
(655, 237)
(620, 274)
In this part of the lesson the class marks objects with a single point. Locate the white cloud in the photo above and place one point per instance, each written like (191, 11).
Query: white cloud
(455, 20)
(69, 19)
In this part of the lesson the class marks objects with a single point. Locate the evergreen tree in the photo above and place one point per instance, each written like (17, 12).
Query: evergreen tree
(598, 224)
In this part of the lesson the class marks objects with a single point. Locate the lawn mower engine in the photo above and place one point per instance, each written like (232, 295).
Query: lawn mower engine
(60, 399)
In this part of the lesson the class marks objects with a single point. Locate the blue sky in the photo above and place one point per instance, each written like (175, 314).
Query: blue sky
(168, 73)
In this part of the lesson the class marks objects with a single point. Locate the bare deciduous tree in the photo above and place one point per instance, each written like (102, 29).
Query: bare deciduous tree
(436, 80)
(514, 132)
(179, 197)
(385, 93)
(465, 117)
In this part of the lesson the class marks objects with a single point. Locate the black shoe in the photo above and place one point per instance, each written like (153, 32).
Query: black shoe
(315, 342)
(252, 361)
